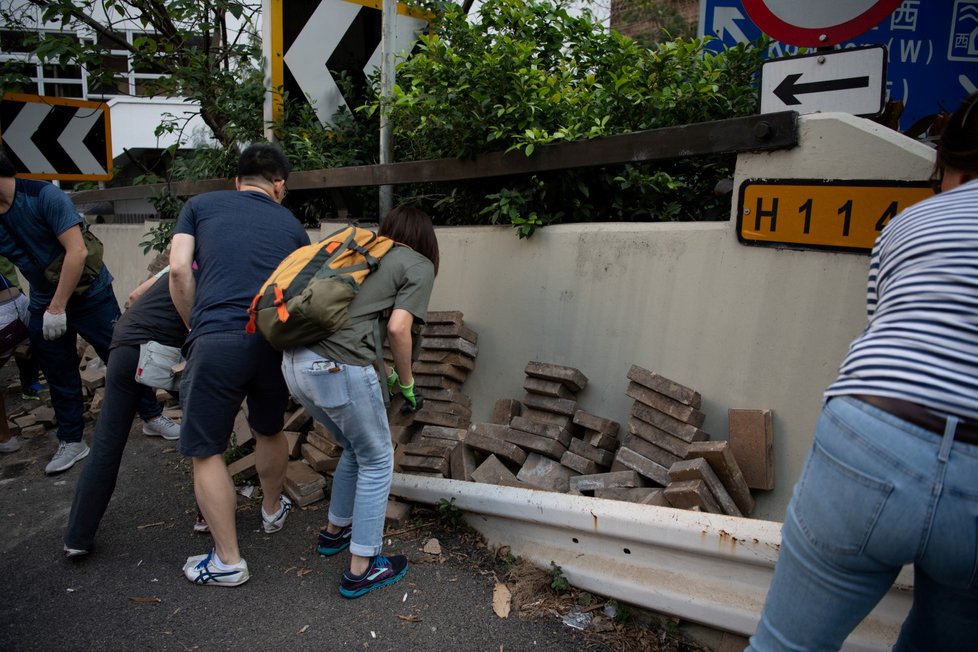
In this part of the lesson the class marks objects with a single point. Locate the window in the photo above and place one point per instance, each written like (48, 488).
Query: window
(17, 56)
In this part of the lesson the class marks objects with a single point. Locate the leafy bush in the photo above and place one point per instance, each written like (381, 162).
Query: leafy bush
(519, 75)
(527, 74)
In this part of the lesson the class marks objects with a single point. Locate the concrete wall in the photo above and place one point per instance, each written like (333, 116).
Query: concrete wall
(747, 327)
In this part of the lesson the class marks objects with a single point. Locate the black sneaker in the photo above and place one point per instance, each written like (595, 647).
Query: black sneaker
(331, 544)
(382, 571)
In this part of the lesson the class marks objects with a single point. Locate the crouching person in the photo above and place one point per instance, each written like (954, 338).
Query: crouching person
(152, 318)
(337, 384)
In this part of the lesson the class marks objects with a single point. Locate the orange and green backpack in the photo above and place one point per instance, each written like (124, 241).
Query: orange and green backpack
(306, 298)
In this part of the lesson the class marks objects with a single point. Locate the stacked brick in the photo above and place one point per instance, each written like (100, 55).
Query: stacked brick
(545, 441)
(424, 440)
(542, 441)
(666, 446)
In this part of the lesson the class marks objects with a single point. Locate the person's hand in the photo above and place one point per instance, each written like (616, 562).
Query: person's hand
(412, 401)
(391, 381)
(55, 324)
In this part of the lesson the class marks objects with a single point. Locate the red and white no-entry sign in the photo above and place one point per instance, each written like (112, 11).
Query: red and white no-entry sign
(817, 24)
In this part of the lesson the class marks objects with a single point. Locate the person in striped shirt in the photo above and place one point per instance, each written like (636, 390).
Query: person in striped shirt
(892, 476)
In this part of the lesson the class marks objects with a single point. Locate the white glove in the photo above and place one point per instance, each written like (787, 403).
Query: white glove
(55, 325)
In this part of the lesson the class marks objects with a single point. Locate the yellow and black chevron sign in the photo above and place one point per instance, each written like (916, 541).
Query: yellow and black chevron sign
(309, 42)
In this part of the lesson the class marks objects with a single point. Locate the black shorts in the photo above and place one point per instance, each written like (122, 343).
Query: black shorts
(223, 369)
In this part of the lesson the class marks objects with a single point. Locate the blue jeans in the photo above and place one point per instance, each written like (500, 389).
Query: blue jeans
(93, 317)
(876, 493)
(347, 399)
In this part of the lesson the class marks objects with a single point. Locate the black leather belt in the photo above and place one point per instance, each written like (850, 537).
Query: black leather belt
(918, 415)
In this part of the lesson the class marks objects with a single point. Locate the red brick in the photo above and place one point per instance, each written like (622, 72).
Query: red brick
(614, 480)
(561, 406)
(544, 473)
(602, 441)
(752, 443)
(541, 429)
(666, 405)
(438, 369)
(661, 438)
(452, 317)
(685, 431)
(599, 455)
(572, 378)
(597, 424)
(454, 344)
(493, 471)
(480, 440)
(691, 494)
(579, 463)
(699, 469)
(450, 330)
(505, 409)
(438, 465)
(650, 469)
(665, 386)
(462, 463)
(722, 461)
(658, 455)
(547, 417)
(545, 387)
(447, 357)
(439, 432)
(552, 448)
(319, 460)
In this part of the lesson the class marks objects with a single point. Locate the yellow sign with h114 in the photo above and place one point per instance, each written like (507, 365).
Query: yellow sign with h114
(809, 214)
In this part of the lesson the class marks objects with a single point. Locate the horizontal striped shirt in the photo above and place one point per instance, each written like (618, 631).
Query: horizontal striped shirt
(921, 342)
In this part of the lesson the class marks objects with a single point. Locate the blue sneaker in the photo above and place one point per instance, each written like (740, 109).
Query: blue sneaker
(331, 544)
(33, 392)
(382, 571)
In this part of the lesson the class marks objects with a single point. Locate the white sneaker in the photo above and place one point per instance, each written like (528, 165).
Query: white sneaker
(275, 522)
(162, 426)
(68, 453)
(200, 569)
(11, 445)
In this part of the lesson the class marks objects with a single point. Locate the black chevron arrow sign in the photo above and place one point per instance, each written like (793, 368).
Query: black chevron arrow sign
(56, 138)
(321, 38)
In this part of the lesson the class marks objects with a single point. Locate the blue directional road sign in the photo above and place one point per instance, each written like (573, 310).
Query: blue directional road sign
(932, 44)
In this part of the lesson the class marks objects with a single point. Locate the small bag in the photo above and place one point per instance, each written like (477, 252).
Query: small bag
(15, 330)
(156, 362)
(93, 262)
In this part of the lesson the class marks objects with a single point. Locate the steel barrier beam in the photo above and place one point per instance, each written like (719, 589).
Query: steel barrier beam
(706, 568)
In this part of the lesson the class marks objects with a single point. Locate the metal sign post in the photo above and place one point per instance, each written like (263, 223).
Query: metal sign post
(387, 44)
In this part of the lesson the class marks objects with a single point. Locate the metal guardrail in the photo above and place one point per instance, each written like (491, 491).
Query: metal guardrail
(770, 131)
(706, 568)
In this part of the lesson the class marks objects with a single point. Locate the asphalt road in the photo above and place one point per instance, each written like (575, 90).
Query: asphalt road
(130, 593)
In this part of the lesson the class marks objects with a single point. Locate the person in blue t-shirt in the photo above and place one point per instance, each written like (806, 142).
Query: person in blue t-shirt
(237, 238)
(38, 223)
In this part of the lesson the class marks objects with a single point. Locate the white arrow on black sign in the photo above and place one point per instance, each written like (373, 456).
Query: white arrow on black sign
(334, 35)
(851, 81)
(54, 137)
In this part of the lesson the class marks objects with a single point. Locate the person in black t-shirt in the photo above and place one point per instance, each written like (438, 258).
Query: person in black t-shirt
(151, 317)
